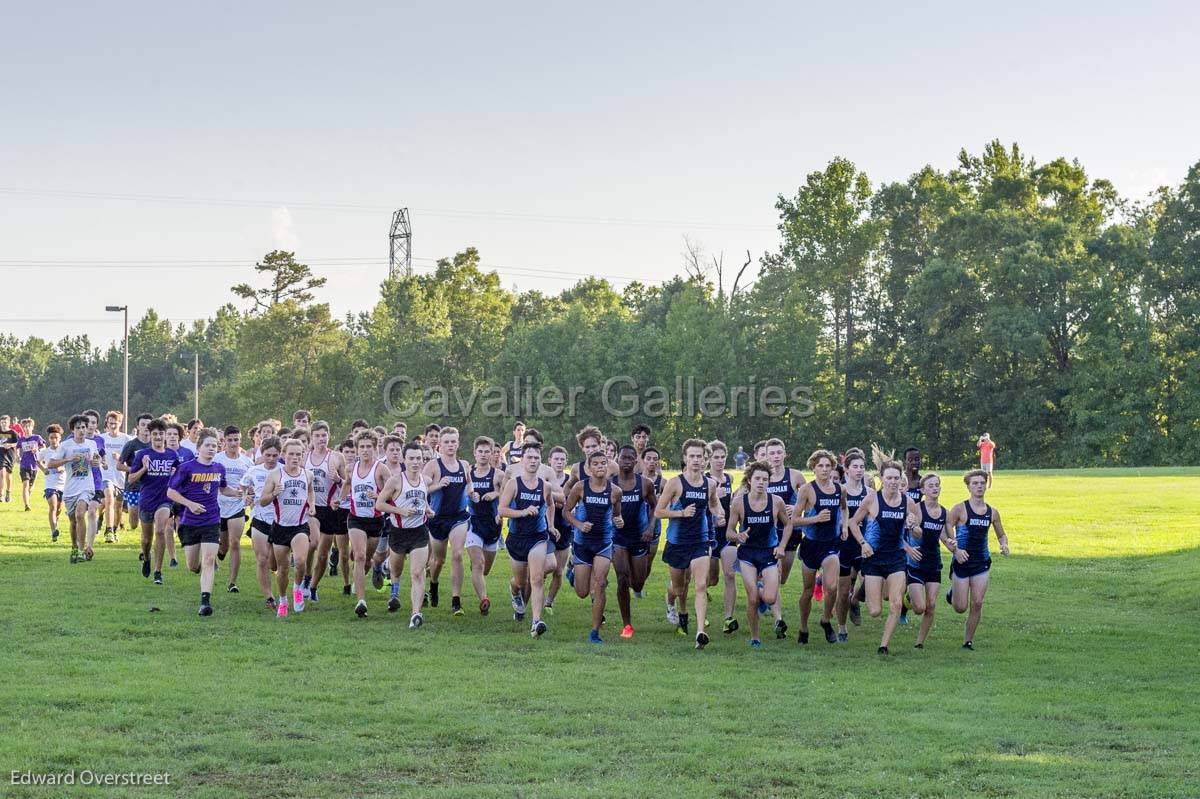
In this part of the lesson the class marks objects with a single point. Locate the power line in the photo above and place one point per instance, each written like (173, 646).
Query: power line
(450, 213)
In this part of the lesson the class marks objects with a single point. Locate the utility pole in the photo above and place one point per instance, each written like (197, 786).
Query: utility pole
(125, 378)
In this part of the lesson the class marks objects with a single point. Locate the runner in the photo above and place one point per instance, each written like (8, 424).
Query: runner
(558, 552)
(54, 477)
(821, 507)
(446, 482)
(78, 454)
(652, 471)
(724, 555)
(151, 471)
(29, 443)
(114, 479)
(850, 555)
(189, 439)
(592, 550)
(755, 519)
(406, 497)
(393, 458)
(327, 525)
(631, 543)
(969, 571)
(196, 485)
(785, 483)
(233, 508)
(140, 440)
(364, 522)
(262, 517)
(289, 489)
(9, 448)
(912, 474)
(884, 514)
(483, 529)
(924, 566)
(96, 506)
(301, 418)
(529, 501)
(682, 503)
(511, 451)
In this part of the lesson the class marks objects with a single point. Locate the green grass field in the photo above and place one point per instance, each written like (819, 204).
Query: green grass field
(1083, 683)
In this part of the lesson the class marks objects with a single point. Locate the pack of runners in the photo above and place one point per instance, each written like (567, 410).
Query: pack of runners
(865, 531)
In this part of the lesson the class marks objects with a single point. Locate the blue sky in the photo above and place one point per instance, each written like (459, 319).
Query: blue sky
(560, 141)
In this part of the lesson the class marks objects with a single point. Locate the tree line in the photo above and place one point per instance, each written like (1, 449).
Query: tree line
(1027, 300)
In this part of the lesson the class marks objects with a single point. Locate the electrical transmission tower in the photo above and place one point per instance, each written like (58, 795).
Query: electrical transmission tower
(400, 239)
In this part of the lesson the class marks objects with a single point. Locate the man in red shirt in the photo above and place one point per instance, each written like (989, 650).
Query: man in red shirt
(986, 449)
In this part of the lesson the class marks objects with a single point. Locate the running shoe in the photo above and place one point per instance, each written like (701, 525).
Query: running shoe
(780, 629)
(54, 534)
(830, 635)
(755, 643)
(682, 629)
(116, 536)
(108, 536)
(174, 563)
(637, 594)
(312, 595)
(571, 574)
(518, 604)
(883, 650)
(361, 609)
(594, 637)
(969, 645)
(539, 629)
(281, 610)
(819, 590)
(393, 604)
(627, 631)
(88, 553)
(701, 639)
(206, 609)
(416, 621)
(333, 562)
(855, 613)
(433, 595)
(270, 603)
(232, 589)
(843, 637)
(377, 578)
(298, 599)
(485, 605)
(731, 626)
(802, 638)
(918, 645)
(456, 607)
(346, 590)
(74, 554)
(548, 609)
(146, 567)
(672, 615)
(158, 578)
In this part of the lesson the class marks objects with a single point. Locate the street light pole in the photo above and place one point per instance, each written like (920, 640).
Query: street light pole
(196, 385)
(125, 371)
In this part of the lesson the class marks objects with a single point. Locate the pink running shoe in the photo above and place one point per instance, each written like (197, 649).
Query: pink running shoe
(281, 613)
(298, 599)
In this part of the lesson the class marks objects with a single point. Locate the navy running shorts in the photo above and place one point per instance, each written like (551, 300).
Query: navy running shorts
(586, 553)
(882, 564)
(680, 556)
(519, 545)
(813, 553)
(921, 574)
(973, 567)
(761, 558)
(440, 526)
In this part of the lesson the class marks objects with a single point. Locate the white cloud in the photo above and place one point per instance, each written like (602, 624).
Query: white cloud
(283, 230)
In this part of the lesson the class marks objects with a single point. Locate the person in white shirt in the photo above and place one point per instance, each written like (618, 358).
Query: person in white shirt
(233, 509)
(78, 455)
(54, 477)
(262, 517)
(114, 479)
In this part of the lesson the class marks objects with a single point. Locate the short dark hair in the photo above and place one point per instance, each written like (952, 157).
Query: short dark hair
(411, 445)
(193, 423)
(232, 430)
(640, 428)
(54, 428)
(648, 450)
(156, 424)
(271, 442)
(433, 428)
(144, 417)
(76, 419)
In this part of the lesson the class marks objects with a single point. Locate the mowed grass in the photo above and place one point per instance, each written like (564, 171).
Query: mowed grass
(1083, 684)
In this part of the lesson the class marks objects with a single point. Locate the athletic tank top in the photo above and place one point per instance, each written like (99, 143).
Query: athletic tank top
(783, 487)
(759, 525)
(291, 503)
(597, 508)
(451, 500)
(913, 492)
(514, 453)
(361, 504)
(853, 501)
(323, 486)
(928, 541)
(344, 503)
(884, 533)
(972, 536)
(694, 529)
(719, 532)
(633, 508)
(832, 502)
(483, 513)
(526, 497)
(415, 494)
